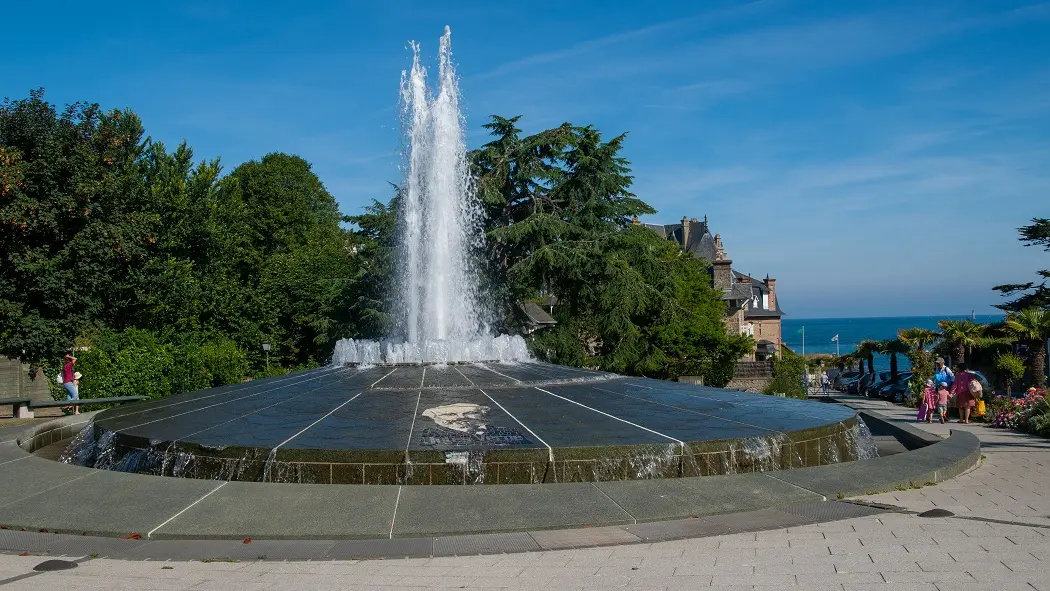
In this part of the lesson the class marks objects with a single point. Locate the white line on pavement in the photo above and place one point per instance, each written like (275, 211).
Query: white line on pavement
(304, 429)
(664, 435)
(393, 517)
(550, 450)
(208, 494)
(382, 378)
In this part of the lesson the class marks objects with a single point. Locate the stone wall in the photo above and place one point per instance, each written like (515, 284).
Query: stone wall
(17, 382)
(751, 376)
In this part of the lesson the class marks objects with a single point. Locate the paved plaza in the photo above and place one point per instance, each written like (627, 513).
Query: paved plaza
(999, 539)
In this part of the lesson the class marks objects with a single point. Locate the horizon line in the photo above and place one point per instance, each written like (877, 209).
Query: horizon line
(886, 317)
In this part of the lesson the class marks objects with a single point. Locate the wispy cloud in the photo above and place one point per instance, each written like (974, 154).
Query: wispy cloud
(693, 23)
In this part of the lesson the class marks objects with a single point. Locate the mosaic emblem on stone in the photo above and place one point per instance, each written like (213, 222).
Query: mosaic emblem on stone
(462, 425)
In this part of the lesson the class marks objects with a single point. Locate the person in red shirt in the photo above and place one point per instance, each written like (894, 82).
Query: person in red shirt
(69, 382)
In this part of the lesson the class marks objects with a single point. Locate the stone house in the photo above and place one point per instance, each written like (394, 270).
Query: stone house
(752, 304)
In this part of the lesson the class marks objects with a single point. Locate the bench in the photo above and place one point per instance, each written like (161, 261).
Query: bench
(33, 404)
(19, 406)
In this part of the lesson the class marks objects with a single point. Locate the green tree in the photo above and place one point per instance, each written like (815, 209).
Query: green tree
(1010, 368)
(866, 351)
(1030, 294)
(559, 213)
(103, 229)
(893, 348)
(374, 247)
(919, 339)
(74, 222)
(789, 372)
(1032, 326)
(962, 336)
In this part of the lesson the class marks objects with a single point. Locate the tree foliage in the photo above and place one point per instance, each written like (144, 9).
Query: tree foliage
(104, 229)
(174, 273)
(559, 213)
(1032, 327)
(789, 376)
(962, 336)
(1031, 294)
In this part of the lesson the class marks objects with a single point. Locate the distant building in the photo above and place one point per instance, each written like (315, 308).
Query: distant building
(538, 314)
(752, 305)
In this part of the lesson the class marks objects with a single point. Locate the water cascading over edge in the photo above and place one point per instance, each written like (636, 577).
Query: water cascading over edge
(439, 313)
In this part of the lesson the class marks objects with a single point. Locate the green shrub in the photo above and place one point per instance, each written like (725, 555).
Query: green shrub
(788, 374)
(138, 363)
(1010, 368)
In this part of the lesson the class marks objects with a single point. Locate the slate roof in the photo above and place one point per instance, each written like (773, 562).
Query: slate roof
(537, 315)
(702, 244)
(739, 291)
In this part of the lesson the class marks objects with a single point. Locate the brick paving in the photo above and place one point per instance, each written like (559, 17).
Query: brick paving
(999, 540)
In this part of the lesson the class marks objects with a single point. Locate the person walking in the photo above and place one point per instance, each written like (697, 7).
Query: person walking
(70, 380)
(964, 397)
(942, 373)
(929, 402)
(825, 382)
(942, 401)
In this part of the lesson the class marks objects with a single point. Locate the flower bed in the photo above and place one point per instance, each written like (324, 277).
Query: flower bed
(1030, 414)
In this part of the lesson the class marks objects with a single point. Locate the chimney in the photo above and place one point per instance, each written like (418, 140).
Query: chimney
(723, 271)
(685, 232)
(772, 285)
(723, 267)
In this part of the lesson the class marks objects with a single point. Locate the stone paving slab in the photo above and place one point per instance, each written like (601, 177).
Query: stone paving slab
(439, 510)
(651, 500)
(291, 511)
(76, 500)
(33, 476)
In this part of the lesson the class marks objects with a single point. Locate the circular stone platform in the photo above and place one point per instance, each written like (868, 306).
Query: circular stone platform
(464, 424)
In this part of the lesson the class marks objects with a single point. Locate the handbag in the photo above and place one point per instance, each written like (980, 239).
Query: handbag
(976, 390)
(979, 409)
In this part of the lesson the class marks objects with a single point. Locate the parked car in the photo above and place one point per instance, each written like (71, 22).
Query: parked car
(837, 381)
(850, 386)
(863, 383)
(882, 379)
(897, 390)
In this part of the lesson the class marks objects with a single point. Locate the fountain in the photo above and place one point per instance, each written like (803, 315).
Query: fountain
(445, 401)
(440, 314)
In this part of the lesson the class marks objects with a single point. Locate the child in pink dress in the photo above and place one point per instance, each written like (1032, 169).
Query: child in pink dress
(929, 398)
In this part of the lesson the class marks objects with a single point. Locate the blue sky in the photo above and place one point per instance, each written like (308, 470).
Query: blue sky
(875, 157)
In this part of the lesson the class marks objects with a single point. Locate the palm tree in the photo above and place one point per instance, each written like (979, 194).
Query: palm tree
(962, 336)
(893, 347)
(917, 338)
(867, 350)
(1032, 326)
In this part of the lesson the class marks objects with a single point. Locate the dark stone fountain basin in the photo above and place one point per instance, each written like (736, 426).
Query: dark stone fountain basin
(465, 424)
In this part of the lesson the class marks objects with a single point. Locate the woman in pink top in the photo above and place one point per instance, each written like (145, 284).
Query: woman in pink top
(961, 389)
(69, 382)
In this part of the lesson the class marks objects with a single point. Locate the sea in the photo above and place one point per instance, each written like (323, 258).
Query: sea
(851, 331)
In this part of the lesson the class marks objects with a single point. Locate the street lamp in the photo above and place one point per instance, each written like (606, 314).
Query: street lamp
(266, 347)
